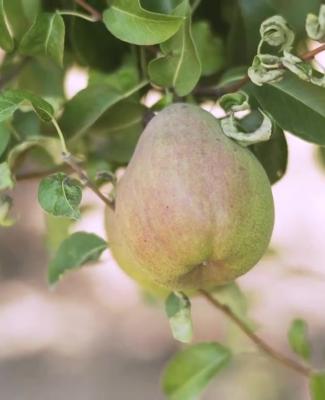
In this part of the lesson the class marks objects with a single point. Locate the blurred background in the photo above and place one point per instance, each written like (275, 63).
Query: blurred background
(97, 336)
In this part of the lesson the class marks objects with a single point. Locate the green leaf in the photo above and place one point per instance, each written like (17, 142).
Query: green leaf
(7, 107)
(236, 46)
(266, 68)
(261, 129)
(276, 32)
(118, 130)
(123, 79)
(236, 101)
(84, 109)
(320, 154)
(60, 195)
(4, 137)
(295, 12)
(90, 41)
(180, 66)
(6, 180)
(233, 75)
(315, 25)
(43, 77)
(128, 21)
(254, 12)
(45, 38)
(51, 145)
(273, 154)
(189, 372)
(100, 171)
(57, 230)
(210, 48)
(30, 8)
(178, 310)
(21, 15)
(165, 101)
(297, 106)
(43, 109)
(5, 207)
(160, 6)
(232, 296)
(298, 338)
(6, 39)
(26, 124)
(317, 386)
(74, 252)
(11, 100)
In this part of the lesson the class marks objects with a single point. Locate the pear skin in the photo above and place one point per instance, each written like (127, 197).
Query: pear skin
(127, 263)
(194, 209)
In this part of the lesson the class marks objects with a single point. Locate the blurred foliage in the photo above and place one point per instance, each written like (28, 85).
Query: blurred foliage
(184, 50)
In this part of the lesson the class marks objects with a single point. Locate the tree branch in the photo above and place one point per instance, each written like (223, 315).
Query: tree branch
(312, 53)
(92, 11)
(71, 166)
(266, 348)
(25, 176)
(68, 159)
(221, 90)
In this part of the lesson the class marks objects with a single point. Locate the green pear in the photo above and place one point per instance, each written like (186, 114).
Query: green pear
(128, 264)
(194, 209)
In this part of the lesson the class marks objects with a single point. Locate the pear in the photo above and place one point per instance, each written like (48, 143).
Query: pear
(194, 209)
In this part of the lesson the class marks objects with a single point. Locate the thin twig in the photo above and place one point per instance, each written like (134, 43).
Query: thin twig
(221, 90)
(89, 18)
(95, 13)
(71, 165)
(72, 162)
(25, 176)
(153, 50)
(286, 361)
(312, 53)
(69, 159)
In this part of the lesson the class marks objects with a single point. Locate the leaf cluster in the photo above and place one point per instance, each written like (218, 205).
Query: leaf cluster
(182, 50)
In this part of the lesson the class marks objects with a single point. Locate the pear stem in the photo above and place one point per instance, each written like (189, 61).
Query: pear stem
(260, 343)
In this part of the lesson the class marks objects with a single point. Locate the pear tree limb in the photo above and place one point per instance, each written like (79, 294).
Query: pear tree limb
(309, 55)
(294, 365)
(224, 89)
(92, 11)
(71, 161)
(71, 165)
(26, 176)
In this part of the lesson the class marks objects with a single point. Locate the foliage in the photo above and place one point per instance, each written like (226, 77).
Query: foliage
(250, 55)
(178, 310)
(298, 340)
(191, 369)
(75, 251)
